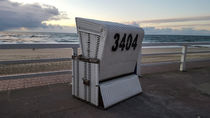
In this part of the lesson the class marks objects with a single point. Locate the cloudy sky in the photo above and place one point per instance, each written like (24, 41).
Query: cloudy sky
(155, 16)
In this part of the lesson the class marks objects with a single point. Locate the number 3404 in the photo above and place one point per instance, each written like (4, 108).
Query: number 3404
(126, 42)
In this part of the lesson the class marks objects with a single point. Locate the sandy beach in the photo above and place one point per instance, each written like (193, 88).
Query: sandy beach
(29, 54)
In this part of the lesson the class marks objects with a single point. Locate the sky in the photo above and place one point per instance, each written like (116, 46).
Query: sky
(183, 17)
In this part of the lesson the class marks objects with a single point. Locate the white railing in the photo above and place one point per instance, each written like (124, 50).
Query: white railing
(75, 47)
(37, 46)
(184, 52)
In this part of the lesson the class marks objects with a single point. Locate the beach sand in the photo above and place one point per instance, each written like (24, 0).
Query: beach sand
(29, 54)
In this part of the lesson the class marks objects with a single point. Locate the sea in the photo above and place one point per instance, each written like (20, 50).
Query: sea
(51, 37)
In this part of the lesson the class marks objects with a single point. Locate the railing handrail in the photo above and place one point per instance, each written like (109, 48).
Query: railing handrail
(175, 43)
(25, 61)
(38, 45)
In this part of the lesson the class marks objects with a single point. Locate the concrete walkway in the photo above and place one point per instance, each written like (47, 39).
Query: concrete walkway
(166, 95)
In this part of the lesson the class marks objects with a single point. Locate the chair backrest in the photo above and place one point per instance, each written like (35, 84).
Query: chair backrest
(117, 46)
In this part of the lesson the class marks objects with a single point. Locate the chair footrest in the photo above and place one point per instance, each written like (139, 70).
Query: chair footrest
(119, 89)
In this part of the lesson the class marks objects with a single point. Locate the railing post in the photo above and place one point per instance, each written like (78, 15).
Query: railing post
(183, 58)
(75, 51)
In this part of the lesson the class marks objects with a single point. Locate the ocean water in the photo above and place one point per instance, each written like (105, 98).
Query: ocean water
(37, 37)
(42, 37)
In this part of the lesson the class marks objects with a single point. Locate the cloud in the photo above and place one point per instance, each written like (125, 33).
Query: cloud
(184, 29)
(16, 15)
(169, 20)
(134, 23)
(188, 25)
(186, 19)
(169, 31)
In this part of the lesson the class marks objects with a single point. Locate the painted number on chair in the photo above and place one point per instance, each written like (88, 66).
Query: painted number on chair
(124, 42)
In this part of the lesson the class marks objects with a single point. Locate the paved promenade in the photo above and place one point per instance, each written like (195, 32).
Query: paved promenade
(166, 95)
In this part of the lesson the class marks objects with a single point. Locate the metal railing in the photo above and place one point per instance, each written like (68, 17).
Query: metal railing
(183, 53)
(36, 46)
(75, 47)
